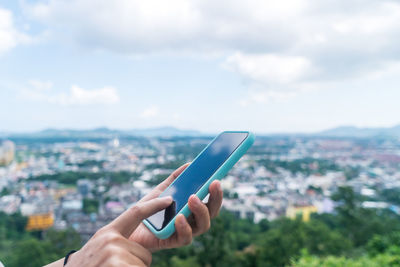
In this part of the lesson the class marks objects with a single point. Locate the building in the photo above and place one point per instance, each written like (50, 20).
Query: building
(7, 151)
(84, 187)
(40, 222)
(303, 211)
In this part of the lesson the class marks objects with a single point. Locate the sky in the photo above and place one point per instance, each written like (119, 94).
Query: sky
(267, 66)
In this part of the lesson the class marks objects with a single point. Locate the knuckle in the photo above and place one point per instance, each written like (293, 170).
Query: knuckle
(101, 231)
(112, 251)
(213, 215)
(188, 241)
(145, 254)
(136, 210)
(216, 213)
(149, 258)
(207, 226)
(112, 238)
(112, 260)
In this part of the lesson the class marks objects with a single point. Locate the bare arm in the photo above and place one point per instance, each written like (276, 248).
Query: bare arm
(58, 263)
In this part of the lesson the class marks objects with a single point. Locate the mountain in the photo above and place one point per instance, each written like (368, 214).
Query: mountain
(104, 132)
(97, 132)
(4, 134)
(351, 131)
(163, 131)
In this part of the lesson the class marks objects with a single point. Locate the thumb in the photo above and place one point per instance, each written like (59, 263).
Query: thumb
(130, 219)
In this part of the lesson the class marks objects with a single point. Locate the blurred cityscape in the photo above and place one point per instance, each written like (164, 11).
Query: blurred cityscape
(84, 183)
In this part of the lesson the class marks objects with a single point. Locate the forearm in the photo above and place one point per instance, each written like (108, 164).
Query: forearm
(58, 263)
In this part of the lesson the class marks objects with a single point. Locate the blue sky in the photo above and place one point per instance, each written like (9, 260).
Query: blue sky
(269, 67)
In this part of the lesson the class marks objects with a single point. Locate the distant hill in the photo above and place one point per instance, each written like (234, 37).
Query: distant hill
(351, 131)
(104, 132)
(3, 135)
(163, 131)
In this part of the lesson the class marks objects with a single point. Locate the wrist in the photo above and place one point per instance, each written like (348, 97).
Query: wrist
(69, 256)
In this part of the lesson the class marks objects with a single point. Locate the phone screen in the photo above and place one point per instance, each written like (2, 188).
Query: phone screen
(196, 175)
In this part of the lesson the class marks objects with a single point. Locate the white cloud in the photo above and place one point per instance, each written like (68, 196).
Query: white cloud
(276, 45)
(9, 35)
(263, 97)
(80, 96)
(384, 19)
(42, 92)
(176, 116)
(41, 85)
(278, 78)
(301, 27)
(269, 68)
(155, 26)
(150, 112)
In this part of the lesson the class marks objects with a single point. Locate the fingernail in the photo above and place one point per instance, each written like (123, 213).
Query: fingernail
(182, 221)
(219, 186)
(196, 200)
(167, 199)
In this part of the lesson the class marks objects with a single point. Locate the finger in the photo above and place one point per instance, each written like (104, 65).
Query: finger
(163, 185)
(127, 222)
(183, 231)
(200, 214)
(215, 199)
(181, 237)
(135, 249)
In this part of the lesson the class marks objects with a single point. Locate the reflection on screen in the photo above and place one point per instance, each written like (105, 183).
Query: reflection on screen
(191, 180)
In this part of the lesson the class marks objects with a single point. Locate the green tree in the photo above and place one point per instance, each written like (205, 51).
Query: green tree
(381, 243)
(283, 241)
(90, 205)
(359, 223)
(63, 241)
(320, 240)
(216, 247)
(12, 226)
(381, 260)
(188, 262)
(30, 253)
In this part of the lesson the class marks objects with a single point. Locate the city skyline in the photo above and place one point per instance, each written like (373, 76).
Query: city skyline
(204, 66)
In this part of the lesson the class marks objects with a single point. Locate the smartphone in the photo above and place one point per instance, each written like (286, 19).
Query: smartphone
(212, 163)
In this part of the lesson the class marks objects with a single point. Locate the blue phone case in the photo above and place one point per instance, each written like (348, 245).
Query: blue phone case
(169, 229)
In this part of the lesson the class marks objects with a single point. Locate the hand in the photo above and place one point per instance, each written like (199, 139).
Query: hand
(110, 245)
(197, 223)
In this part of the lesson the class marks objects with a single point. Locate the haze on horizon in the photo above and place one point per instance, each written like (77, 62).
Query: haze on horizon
(297, 66)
